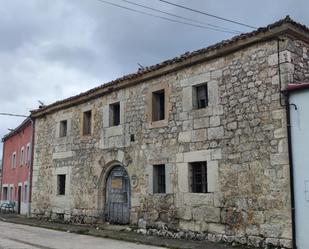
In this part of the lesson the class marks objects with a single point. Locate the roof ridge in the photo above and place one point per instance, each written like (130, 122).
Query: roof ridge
(182, 57)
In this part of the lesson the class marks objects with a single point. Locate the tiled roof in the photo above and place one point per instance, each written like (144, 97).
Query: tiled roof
(24, 124)
(181, 58)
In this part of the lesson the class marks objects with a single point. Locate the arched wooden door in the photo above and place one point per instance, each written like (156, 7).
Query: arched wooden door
(118, 196)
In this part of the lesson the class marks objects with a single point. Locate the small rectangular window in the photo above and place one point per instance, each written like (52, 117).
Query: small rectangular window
(87, 123)
(114, 114)
(158, 105)
(61, 184)
(28, 156)
(22, 156)
(63, 128)
(199, 177)
(14, 160)
(201, 96)
(159, 178)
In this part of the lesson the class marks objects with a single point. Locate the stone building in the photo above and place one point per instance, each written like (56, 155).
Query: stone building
(198, 142)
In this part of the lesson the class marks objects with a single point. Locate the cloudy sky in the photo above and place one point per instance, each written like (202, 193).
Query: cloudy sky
(50, 50)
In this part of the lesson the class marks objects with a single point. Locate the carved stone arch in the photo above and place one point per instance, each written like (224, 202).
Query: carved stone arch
(102, 183)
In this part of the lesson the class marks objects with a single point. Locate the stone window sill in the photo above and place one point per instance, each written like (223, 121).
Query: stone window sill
(158, 124)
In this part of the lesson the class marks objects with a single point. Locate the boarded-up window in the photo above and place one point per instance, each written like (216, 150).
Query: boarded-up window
(87, 123)
(198, 177)
(61, 184)
(158, 105)
(201, 96)
(63, 128)
(114, 113)
(159, 178)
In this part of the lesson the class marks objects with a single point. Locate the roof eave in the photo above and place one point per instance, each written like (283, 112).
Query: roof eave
(261, 36)
(23, 125)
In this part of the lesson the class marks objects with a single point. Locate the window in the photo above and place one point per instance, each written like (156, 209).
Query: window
(60, 184)
(201, 96)
(5, 193)
(87, 123)
(63, 128)
(198, 177)
(28, 156)
(158, 105)
(14, 160)
(22, 156)
(114, 114)
(159, 178)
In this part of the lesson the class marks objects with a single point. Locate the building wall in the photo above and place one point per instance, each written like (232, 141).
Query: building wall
(300, 142)
(13, 177)
(241, 134)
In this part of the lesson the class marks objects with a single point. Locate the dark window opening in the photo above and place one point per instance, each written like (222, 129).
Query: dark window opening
(158, 105)
(114, 114)
(5, 193)
(198, 177)
(201, 97)
(61, 185)
(132, 137)
(63, 128)
(159, 178)
(87, 123)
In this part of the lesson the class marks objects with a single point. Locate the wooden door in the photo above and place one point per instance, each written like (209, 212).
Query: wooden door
(118, 196)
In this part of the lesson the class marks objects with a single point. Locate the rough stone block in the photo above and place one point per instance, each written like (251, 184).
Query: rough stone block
(196, 156)
(196, 199)
(215, 133)
(185, 137)
(279, 159)
(216, 228)
(201, 123)
(214, 121)
(199, 135)
(207, 214)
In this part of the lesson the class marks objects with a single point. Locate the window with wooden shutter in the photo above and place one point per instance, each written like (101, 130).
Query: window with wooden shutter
(158, 105)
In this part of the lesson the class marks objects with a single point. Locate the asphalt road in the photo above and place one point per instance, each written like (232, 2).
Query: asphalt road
(13, 236)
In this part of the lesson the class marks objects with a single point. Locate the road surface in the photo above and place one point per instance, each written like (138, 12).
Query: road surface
(13, 236)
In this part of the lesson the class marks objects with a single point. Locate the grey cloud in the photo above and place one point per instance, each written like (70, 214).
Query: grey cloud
(50, 50)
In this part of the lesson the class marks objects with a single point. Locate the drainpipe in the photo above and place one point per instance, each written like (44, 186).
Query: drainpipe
(288, 119)
(30, 167)
(287, 106)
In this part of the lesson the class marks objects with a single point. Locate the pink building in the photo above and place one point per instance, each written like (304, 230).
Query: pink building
(17, 165)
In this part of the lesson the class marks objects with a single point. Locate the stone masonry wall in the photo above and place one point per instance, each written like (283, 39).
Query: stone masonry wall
(241, 134)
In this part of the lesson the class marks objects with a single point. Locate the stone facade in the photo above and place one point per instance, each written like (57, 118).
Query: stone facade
(241, 135)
